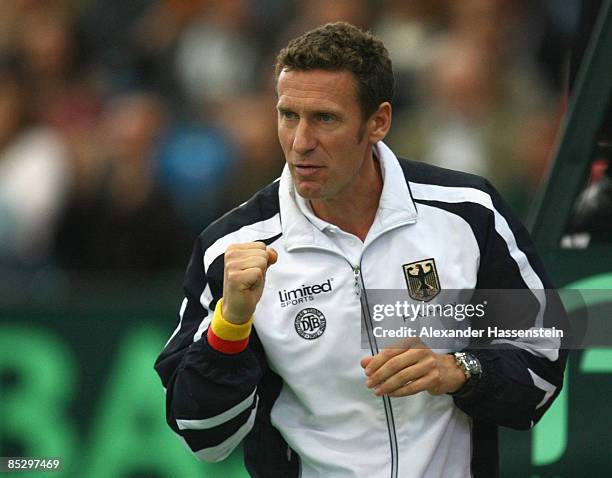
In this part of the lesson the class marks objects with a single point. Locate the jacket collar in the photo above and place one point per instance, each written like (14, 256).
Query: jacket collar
(395, 207)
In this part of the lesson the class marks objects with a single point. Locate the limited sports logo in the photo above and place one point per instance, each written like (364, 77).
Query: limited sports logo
(310, 323)
(422, 279)
(303, 294)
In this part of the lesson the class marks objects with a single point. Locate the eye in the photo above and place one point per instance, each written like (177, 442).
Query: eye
(326, 118)
(288, 115)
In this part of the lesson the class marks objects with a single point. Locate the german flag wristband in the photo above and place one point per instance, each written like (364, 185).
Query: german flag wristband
(225, 336)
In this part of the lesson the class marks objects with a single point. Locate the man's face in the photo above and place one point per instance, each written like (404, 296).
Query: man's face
(321, 131)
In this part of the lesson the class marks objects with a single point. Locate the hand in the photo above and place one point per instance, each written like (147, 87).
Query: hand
(399, 372)
(243, 279)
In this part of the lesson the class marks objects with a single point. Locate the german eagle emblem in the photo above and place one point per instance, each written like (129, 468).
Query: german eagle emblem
(422, 279)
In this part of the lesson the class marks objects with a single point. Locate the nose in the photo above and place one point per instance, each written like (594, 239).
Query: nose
(304, 140)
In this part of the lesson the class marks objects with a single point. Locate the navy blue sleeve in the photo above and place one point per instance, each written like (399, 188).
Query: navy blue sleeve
(211, 397)
(520, 378)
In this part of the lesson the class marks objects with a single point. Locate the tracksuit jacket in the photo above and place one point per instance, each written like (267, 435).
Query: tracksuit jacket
(296, 397)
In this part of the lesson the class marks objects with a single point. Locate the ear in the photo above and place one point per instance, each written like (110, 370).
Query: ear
(379, 123)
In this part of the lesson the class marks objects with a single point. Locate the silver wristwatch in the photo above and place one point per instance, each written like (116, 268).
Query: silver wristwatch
(469, 364)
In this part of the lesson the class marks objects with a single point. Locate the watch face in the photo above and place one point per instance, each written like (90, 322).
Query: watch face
(473, 364)
(469, 364)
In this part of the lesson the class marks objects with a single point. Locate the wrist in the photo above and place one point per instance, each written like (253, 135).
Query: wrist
(457, 377)
(229, 317)
(472, 370)
(225, 336)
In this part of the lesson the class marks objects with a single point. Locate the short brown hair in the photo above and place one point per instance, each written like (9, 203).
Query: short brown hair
(341, 46)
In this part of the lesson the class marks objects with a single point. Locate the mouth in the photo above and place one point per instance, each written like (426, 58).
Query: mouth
(306, 169)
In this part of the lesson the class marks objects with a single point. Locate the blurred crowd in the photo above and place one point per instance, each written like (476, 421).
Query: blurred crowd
(127, 126)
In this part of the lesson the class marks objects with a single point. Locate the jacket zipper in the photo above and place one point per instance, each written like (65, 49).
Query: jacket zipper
(359, 289)
(365, 310)
(357, 280)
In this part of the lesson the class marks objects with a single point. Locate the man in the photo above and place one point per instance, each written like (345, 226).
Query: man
(268, 344)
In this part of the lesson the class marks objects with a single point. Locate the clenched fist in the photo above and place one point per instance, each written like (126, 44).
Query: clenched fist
(243, 279)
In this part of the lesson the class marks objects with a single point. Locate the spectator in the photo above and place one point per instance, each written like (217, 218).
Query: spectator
(251, 122)
(229, 65)
(480, 115)
(411, 31)
(128, 222)
(34, 176)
